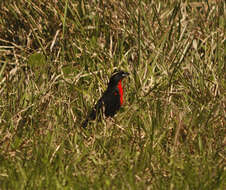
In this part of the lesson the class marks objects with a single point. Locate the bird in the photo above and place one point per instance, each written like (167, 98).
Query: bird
(111, 100)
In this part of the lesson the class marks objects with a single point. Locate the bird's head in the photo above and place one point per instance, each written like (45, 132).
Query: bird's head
(117, 77)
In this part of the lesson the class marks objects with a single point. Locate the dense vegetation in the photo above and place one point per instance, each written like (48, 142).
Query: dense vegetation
(55, 61)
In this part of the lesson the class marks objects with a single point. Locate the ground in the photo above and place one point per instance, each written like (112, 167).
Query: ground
(55, 62)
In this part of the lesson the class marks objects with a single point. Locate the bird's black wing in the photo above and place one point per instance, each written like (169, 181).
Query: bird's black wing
(111, 102)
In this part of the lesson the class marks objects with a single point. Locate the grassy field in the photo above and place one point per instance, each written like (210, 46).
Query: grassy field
(56, 58)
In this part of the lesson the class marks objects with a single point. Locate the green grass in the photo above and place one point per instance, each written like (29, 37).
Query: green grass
(55, 61)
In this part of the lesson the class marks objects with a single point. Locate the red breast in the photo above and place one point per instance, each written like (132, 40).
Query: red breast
(120, 91)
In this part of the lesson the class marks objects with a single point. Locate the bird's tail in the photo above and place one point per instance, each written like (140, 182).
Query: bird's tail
(93, 114)
(84, 124)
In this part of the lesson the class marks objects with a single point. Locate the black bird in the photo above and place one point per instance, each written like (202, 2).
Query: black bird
(111, 100)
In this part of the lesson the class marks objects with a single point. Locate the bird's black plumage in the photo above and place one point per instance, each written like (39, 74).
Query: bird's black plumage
(111, 99)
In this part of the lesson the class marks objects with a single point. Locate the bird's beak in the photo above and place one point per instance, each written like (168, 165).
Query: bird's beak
(125, 74)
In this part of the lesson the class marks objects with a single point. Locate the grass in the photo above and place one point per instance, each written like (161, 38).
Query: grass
(56, 59)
